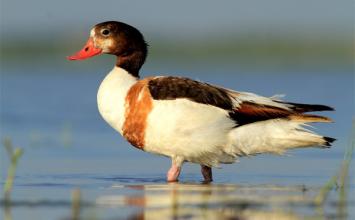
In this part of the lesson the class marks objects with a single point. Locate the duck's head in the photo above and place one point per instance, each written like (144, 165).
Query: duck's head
(116, 38)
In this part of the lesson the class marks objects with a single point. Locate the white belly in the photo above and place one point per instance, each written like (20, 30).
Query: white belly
(194, 131)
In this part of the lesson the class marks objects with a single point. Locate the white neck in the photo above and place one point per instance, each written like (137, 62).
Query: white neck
(111, 96)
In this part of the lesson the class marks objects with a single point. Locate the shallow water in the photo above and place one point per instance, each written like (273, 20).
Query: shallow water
(149, 197)
(52, 114)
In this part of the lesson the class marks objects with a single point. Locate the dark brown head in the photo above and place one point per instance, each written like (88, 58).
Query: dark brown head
(117, 38)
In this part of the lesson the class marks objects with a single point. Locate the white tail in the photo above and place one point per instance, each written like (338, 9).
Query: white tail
(274, 136)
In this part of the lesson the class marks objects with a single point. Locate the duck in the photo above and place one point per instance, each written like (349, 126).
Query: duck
(189, 120)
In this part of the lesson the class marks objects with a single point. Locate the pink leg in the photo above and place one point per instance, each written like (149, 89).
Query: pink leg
(173, 173)
(207, 173)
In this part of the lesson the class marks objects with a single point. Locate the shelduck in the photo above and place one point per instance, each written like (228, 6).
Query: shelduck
(189, 120)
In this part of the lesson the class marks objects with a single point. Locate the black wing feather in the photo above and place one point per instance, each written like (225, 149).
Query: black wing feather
(170, 88)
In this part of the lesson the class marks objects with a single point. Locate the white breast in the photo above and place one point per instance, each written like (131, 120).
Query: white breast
(111, 96)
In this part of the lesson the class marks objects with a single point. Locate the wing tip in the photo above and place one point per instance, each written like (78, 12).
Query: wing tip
(324, 108)
(309, 107)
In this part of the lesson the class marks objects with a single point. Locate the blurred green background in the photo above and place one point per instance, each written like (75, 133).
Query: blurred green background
(272, 34)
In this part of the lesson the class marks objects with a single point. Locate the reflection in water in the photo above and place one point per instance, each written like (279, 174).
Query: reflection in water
(188, 201)
(192, 201)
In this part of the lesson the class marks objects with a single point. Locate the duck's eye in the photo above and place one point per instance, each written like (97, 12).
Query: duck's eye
(105, 32)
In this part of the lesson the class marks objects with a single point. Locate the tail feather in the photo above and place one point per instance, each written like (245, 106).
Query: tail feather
(328, 141)
(276, 136)
(307, 118)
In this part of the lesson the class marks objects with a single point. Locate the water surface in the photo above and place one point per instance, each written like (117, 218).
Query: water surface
(52, 114)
